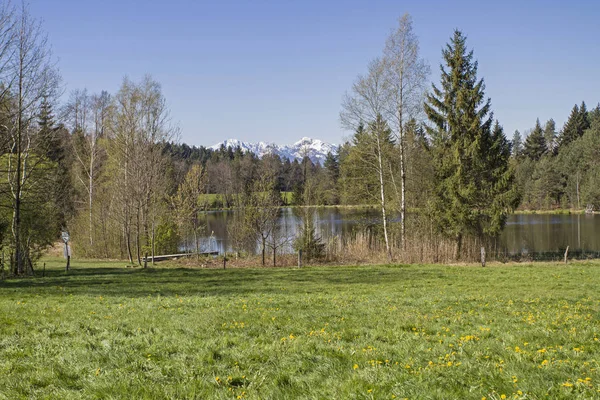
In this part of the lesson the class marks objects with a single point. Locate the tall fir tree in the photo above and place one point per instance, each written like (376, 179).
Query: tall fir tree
(535, 144)
(550, 136)
(517, 145)
(576, 125)
(474, 190)
(594, 117)
(53, 142)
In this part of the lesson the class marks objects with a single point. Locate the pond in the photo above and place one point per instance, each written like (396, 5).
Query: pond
(524, 233)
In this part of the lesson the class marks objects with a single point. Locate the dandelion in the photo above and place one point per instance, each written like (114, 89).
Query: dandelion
(355, 366)
(567, 384)
(503, 396)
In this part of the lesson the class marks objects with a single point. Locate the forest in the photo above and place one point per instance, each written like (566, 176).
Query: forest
(109, 169)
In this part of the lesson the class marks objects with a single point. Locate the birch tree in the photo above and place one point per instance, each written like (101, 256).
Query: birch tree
(186, 203)
(367, 102)
(140, 128)
(405, 77)
(89, 117)
(33, 78)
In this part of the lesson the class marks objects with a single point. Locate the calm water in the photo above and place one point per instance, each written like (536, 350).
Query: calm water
(523, 233)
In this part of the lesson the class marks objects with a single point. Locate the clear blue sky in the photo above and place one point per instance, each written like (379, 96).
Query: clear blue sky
(277, 70)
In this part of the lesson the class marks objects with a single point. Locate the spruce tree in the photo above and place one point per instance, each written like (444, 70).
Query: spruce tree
(52, 143)
(474, 184)
(583, 122)
(594, 117)
(576, 125)
(517, 145)
(550, 136)
(535, 144)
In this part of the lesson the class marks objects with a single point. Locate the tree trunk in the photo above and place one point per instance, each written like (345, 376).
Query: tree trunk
(128, 243)
(382, 192)
(196, 242)
(153, 247)
(137, 244)
(90, 199)
(403, 195)
(458, 247)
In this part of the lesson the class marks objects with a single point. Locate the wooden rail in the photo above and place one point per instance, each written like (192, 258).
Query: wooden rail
(176, 256)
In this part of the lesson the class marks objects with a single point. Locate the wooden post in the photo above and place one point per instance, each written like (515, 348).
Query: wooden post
(224, 261)
(566, 255)
(300, 258)
(68, 263)
(146, 260)
(482, 256)
(44, 271)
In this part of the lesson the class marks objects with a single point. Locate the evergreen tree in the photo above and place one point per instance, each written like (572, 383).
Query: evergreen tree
(550, 136)
(332, 166)
(517, 145)
(594, 117)
(474, 184)
(583, 120)
(535, 144)
(569, 131)
(576, 125)
(328, 185)
(52, 143)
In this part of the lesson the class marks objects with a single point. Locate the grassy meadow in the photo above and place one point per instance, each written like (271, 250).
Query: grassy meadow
(104, 331)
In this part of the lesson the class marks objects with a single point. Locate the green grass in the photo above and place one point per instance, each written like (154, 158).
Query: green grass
(421, 331)
(557, 211)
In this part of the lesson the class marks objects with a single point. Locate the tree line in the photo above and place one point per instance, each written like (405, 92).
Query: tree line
(109, 168)
(560, 169)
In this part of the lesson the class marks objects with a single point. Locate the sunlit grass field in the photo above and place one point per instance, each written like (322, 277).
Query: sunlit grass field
(376, 332)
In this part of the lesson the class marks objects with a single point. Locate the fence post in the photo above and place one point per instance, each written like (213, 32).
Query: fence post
(482, 256)
(566, 255)
(224, 260)
(300, 258)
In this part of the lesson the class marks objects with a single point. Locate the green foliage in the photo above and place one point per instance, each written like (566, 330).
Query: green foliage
(517, 145)
(308, 241)
(535, 144)
(167, 238)
(474, 190)
(359, 176)
(576, 125)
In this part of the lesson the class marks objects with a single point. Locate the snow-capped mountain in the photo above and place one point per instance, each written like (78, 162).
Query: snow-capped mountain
(315, 149)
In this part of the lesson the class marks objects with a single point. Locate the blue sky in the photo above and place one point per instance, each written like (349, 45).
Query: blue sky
(277, 70)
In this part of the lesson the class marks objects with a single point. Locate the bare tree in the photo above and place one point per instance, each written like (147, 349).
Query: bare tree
(367, 103)
(88, 117)
(140, 127)
(34, 78)
(261, 211)
(186, 203)
(405, 75)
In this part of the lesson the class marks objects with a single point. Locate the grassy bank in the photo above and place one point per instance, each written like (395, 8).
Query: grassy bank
(421, 331)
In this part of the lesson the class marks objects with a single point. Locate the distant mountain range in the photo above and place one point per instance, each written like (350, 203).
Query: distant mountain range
(315, 149)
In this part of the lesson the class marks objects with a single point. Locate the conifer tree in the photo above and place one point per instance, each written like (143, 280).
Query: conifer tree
(474, 184)
(576, 125)
(535, 144)
(550, 136)
(517, 145)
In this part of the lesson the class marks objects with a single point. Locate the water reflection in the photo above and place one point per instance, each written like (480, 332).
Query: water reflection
(523, 233)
